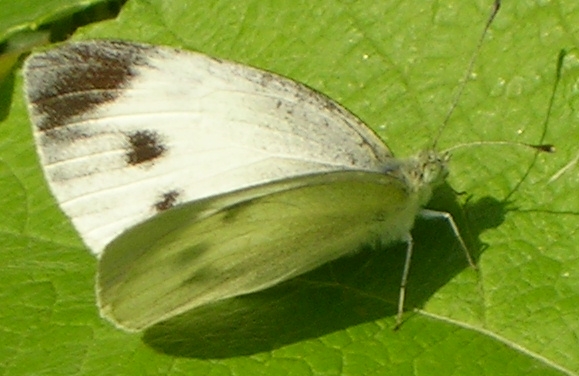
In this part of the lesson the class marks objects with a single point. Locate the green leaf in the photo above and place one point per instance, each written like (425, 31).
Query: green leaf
(397, 65)
(16, 16)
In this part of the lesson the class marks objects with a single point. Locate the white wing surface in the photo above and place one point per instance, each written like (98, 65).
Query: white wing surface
(125, 131)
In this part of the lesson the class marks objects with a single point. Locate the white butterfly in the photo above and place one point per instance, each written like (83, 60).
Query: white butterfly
(195, 179)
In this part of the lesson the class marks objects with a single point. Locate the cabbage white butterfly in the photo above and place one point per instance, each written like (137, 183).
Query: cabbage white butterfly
(194, 179)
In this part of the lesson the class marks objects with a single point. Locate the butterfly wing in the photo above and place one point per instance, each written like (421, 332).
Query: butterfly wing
(246, 241)
(127, 130)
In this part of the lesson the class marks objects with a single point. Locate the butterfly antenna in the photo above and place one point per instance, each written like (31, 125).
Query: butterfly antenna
(543, 148)
(494, 11)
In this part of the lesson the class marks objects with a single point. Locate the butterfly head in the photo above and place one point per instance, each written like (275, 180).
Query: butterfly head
(431, 168)
(425, 171)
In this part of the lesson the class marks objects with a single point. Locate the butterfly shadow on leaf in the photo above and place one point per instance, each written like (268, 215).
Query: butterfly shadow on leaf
(352, 290)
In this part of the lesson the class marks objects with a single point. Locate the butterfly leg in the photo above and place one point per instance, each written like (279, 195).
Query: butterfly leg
(402, 294)
(430, 214)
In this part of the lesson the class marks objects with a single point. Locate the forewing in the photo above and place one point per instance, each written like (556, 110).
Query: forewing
(246, 241)
(127, 130)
